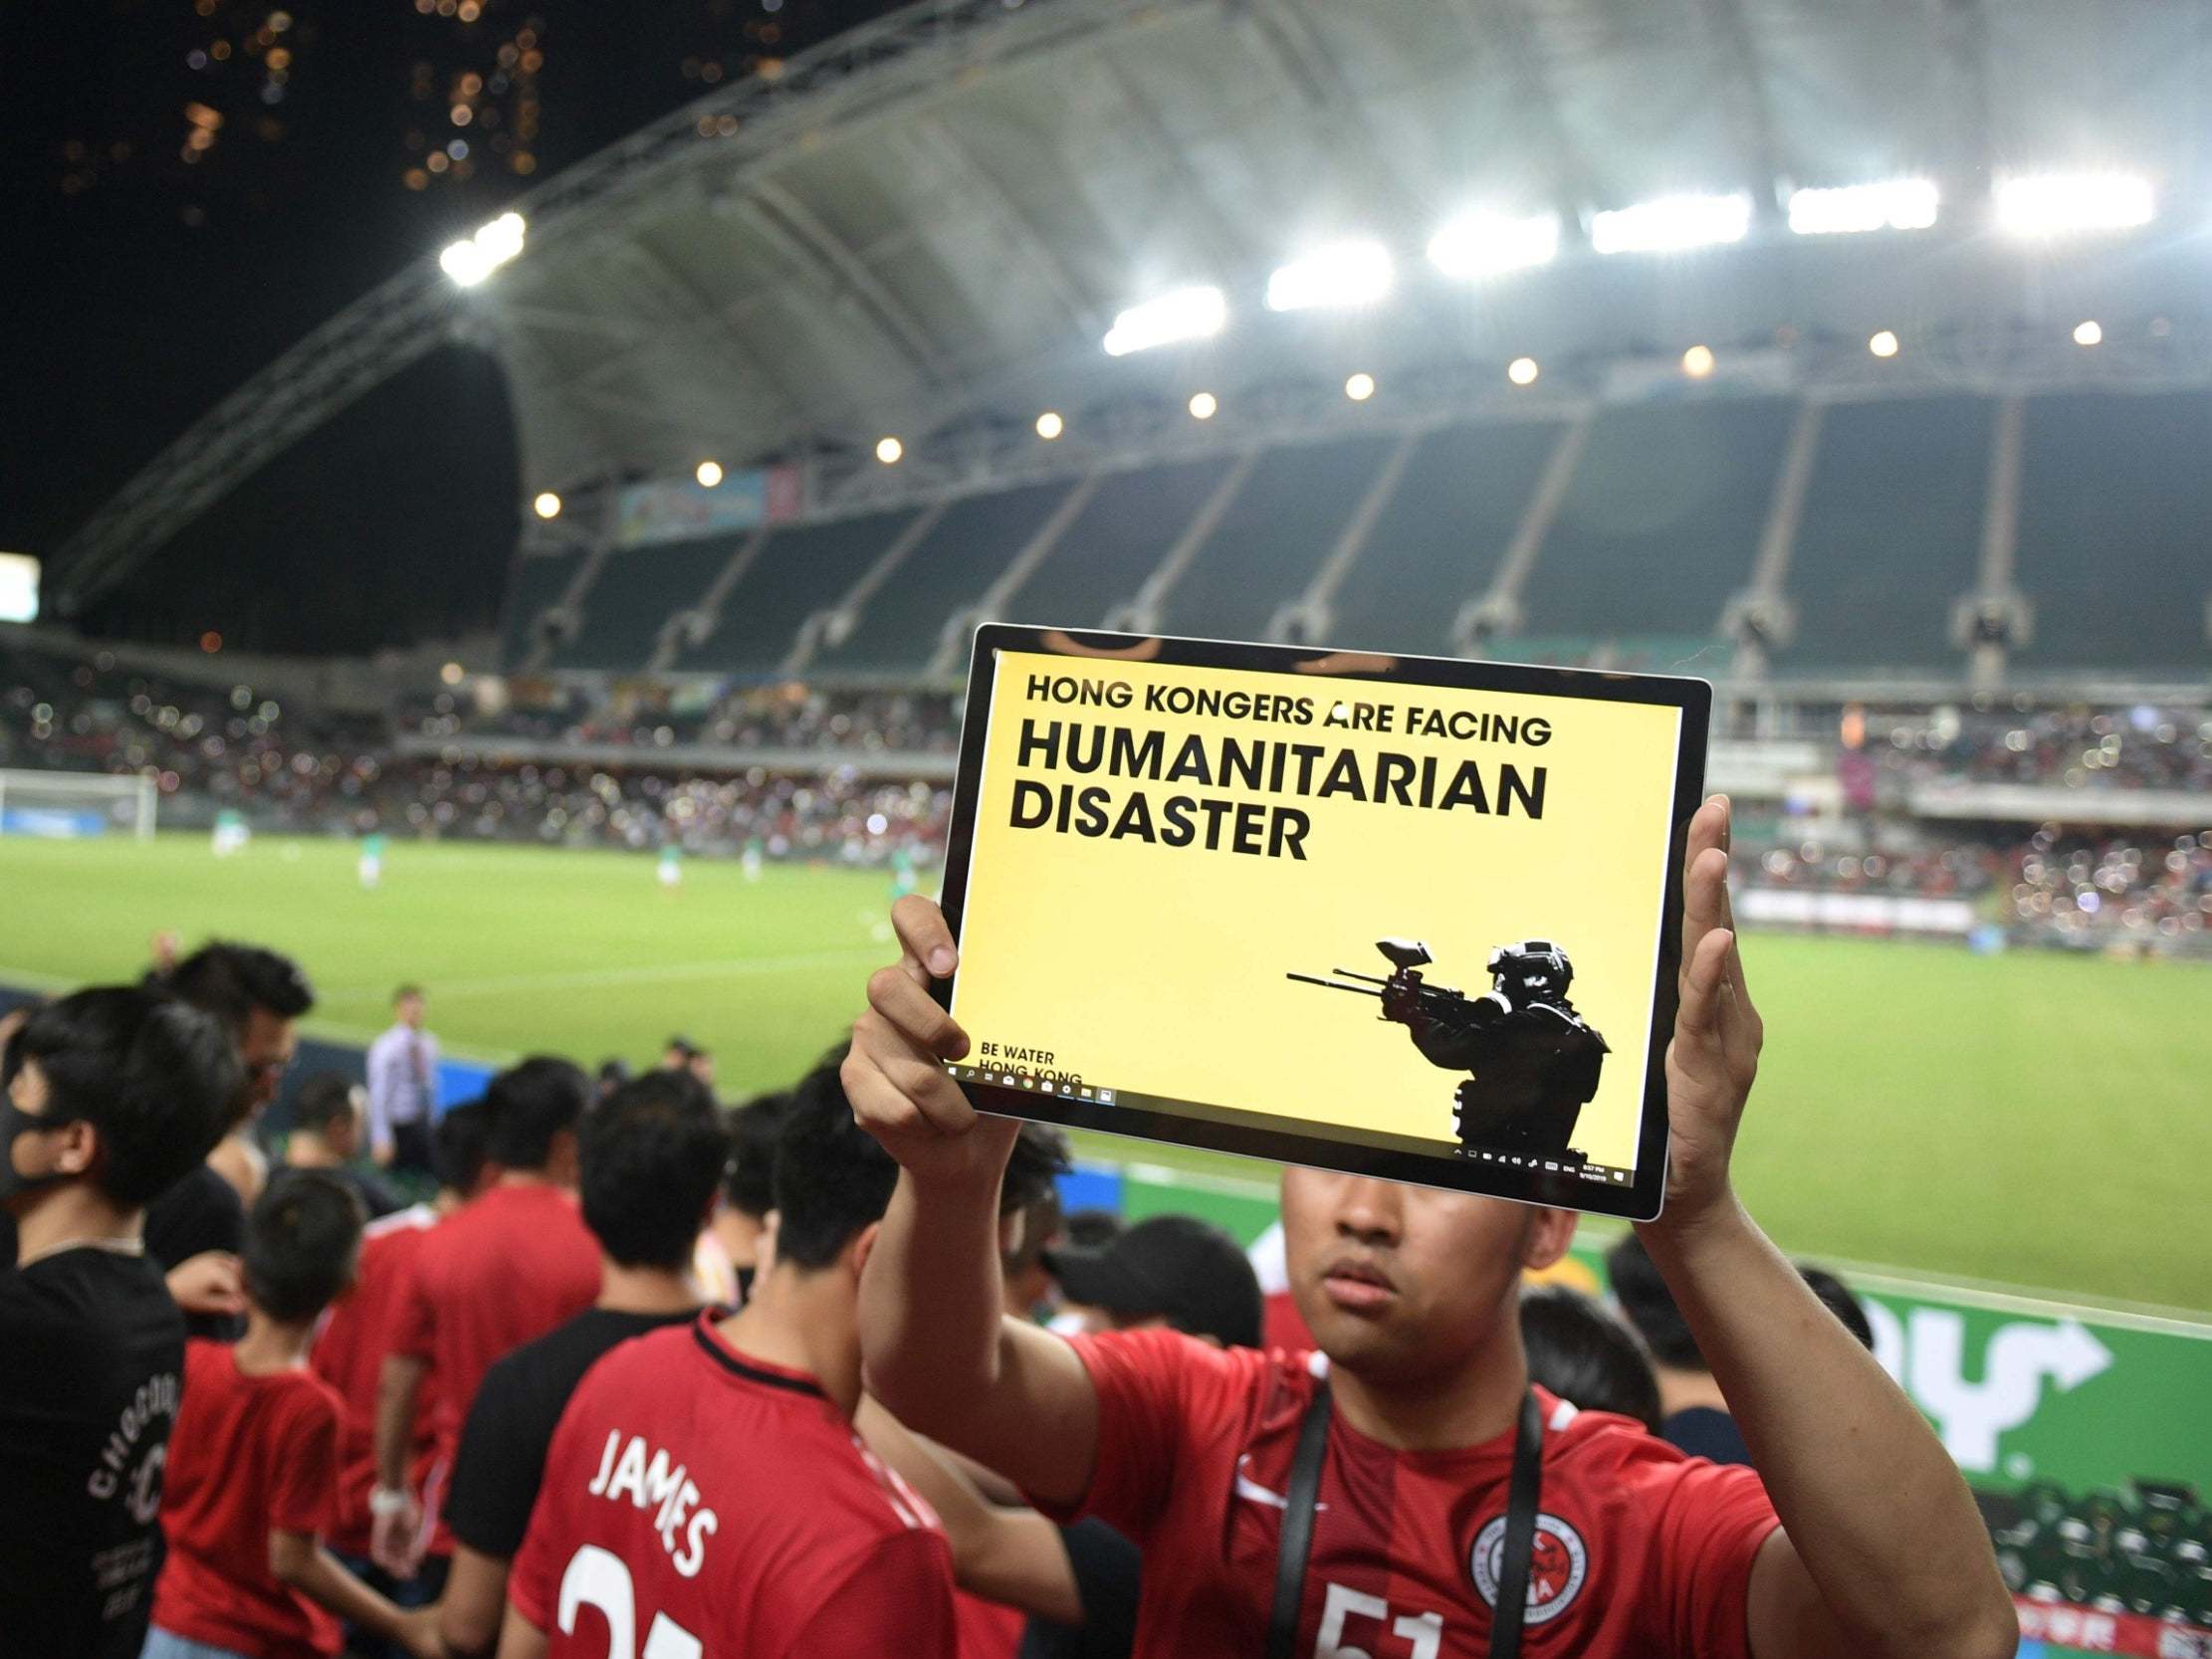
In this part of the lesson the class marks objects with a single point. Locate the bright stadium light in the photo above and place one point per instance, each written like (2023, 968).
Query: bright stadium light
(2054, 204)
(1203, 405)
(1899, 204)
(1483, 243)
(1186, 314)
(888, 450)
(2091, 332)
(1669, 223)
(1698, 362)
(1050, 426)
(1359, 388)
(1522, 371)
(709, 474)
(1342, 273)
(1883, 345)
(547, 506)
(469, 262)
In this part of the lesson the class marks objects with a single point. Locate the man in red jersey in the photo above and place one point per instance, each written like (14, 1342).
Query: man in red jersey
(1871, 1544)
(503, 1272)
(349, 1349)
(704, 1491)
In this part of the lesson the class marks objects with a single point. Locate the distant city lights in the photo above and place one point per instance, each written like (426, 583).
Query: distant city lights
(888, 450)
(1698, 362)
(469, 262)
(1340, 273)
(1180, 314)
(1359, 388)
(1904, 204)
(2091, 332)
(1522, 371)
(1670, 223)
(547, 506)
(1884, 343)
(1484, 244)
(2056, 204)
(1203, 406)
(1050, 426)
(709, 474)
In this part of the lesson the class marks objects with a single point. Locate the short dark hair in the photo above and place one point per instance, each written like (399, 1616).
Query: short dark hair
(651, 1156)
(230, 980)
(1584, 1355)
(1837, 1298)
(831, 1177)
(404, 992)
(460, 1145)
(154, 1076)
(530, 1103)
(749, 1181)
(1649, 1306)
(323, 1100)
(303, 1237)
(1039, 1157)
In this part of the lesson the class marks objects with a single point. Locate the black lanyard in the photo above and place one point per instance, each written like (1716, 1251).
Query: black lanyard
(1300, 1503)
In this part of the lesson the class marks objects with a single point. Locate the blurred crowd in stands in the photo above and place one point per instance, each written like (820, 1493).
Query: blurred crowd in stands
(655, 716)
(2141, 747)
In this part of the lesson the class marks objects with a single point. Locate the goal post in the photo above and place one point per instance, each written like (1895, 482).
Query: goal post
(68, 805)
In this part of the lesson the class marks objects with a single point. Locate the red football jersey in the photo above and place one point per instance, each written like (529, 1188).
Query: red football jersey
(349, 1355)
(1639, 1550)
(726, 1504)
(250, 1455)
(502, 1271)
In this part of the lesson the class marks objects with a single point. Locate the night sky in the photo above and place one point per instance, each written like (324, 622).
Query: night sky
(193, 184)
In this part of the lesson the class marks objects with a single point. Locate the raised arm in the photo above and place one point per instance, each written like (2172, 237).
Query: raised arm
(1882, 1552)
(938, 1350)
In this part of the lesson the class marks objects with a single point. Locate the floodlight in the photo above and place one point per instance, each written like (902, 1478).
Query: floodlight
(1482, 243)
(1185, 313)
(709, 474)
(1901, 204)
(888, 450)
(547, 504)
(465, 262)
(1698, 362)
(1667, 223)
(1202, 406)
(469, 262)
(1342, 273)
(1883, 345)
(1522, 371)
(1050, 426)
(2091, 332)
(1359, 388)
(2052, 204)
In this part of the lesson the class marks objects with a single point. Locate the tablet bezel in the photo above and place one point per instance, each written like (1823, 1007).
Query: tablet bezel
(1298, 1140)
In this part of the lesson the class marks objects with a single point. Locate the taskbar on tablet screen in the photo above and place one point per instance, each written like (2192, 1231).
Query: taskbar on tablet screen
(1066, 1100)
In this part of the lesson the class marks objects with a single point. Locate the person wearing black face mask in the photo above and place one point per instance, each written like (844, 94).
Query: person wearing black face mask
(106, 1096)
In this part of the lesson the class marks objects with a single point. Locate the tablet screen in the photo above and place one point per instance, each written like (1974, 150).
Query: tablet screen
(1397, 916)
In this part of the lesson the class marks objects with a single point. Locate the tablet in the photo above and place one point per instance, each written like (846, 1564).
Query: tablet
(1403, 917)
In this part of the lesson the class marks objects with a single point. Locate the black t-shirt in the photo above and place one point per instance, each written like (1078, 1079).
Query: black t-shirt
(1704, 1431)
(1108, 1569)
(91, 1357)
(517, 1407)
(201, 1213)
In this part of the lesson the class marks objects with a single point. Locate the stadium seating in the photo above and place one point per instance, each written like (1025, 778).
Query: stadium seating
(948, 571)
(2116, 532)
(1272, 538)
(1660, 521)
(633, 596)
(538, 584)
(1437, 542)
(1114, 543)
(799, 571)
(1890, 535)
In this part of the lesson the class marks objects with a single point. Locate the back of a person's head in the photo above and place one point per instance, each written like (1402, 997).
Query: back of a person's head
(1837, 1298)
(303, 1237)
(1584, 1355)
(154, 1076)
(324, 1099)
(530, 1106)
(650, 1158)
(1649, 1306)
(831, 1177)
(750, 1182)
(1034, 1168)
(460, 1145)
(230, 980)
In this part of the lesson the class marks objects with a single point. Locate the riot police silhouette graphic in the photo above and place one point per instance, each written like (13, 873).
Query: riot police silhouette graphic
(1533, 1061)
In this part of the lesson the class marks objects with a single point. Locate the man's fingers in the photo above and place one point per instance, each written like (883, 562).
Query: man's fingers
(902, 1095)
(924, 937)
(1706, 969)
(913, 1012)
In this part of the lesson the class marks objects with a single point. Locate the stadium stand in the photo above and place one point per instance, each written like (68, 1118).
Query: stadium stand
(1114, 542)
(537, 587)
(2116, 498)
(799, 570)
(1891, 532)
(632, 597)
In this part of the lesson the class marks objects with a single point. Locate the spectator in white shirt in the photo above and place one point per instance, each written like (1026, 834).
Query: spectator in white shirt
(403, 1087)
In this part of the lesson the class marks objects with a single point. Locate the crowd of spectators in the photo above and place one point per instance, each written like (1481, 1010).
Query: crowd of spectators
(2139, 747)
(650, 715)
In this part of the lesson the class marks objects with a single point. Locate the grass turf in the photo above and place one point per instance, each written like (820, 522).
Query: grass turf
(2032, 1120)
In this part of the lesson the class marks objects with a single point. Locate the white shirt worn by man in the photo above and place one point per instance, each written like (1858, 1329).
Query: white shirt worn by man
(402, 1080)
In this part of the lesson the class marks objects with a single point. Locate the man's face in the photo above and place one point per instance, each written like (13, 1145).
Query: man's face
(265, 1050)
(1400, 1284)
(703, 1068)
(344, 1133)
(411, 1011)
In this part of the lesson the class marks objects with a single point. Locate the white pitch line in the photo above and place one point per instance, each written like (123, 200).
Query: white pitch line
(655, 973)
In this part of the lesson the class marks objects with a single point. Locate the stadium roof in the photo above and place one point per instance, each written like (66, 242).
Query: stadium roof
(926, 226)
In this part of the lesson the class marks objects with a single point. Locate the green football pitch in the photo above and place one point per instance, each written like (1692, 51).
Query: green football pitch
(2031, 1120)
